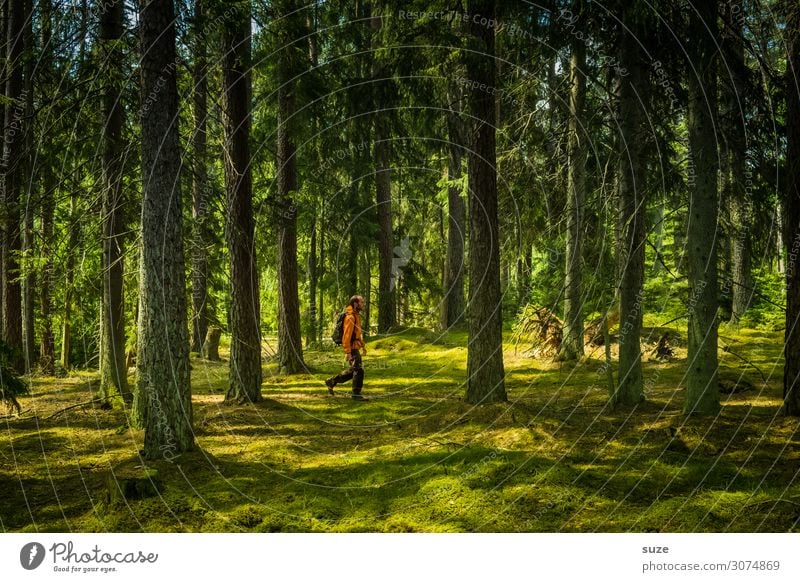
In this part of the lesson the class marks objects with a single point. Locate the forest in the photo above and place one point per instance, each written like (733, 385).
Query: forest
(564, 235)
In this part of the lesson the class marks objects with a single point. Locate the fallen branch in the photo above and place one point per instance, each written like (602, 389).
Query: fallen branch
(79, 405)
(727, 348)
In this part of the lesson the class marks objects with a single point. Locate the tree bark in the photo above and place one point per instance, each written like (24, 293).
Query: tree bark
(791, 369)
(31, 200)
(702, 394)
(245, 316)
(290, 343)
(163, 379)
(740, 207)
(382, 152)
(14, 161)
(572, 344)
(631, 217)
(4, 161)
(73, 228)
(47, 355)
(313, 56)
(200, 242)
(113, 368)
(485, 373)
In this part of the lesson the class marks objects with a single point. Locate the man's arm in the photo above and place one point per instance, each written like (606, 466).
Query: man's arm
(347, 334)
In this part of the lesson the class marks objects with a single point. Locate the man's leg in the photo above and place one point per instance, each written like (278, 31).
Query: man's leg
(358, 373)
(344, 376)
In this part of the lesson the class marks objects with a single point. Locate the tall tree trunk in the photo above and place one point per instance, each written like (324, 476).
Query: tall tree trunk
(31, 201)
(311, 336)
(779, 252)
(47, 355)
(382, 152)
(632, 211)
(740, 204)
(485, 373)
(572, 344)
(75, 237)
(290, 344)
(14, 159)
(113, 367)
(4, 106)
(313, 56)
(321, 269)
(164, 391)
(200, 242)
(73, 228)
(791, 369)
(47, 351)
(702, 394)
(245, 315)
(454, 305)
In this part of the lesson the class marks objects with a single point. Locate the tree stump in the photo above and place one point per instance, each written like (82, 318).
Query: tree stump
(129, 482)
(210, 349)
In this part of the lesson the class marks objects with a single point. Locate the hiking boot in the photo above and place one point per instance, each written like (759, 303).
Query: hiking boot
(358, 396)
(330, 384)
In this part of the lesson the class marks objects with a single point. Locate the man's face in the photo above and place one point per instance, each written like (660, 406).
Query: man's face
(359, 304)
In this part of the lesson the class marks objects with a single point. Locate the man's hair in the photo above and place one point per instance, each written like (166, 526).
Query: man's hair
(353, 300)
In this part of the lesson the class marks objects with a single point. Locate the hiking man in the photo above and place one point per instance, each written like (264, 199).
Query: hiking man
(352, 342)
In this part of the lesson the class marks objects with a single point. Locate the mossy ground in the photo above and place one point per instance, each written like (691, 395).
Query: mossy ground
(416, 458)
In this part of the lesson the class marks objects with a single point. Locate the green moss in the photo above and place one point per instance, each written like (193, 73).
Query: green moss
(416, 458)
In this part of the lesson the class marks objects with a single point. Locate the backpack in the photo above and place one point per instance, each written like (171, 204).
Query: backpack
(338, 329)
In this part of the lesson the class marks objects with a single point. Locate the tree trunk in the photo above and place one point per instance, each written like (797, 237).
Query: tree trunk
(321, 269)
(69, 275)
(485, 374)
(456, 217)
(740, 204)
(211, 344)
(200, 242)
(47, 352)
(14, 160)
(702, 394)
(311, 337)
(245, 315)
(387, 277)
(31, 201)
(290, 343)
(572, 344)
(113, 368)
(163, 380)
(791, 369)
(631, 217)
(313, 56)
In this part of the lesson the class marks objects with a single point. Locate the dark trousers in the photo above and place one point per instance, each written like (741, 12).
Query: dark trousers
(354, 373)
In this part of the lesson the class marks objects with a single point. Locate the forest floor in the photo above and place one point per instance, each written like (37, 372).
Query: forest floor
(416, 458)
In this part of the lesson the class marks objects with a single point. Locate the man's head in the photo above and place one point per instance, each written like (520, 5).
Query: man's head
(357, 302)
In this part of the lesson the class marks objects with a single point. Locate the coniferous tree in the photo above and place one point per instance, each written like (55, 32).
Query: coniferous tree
(113, 367)
(485, 373)
(290, 347)
(702, 393)
(163, 384)
(632, 206)
(244, 383)
(791, 369)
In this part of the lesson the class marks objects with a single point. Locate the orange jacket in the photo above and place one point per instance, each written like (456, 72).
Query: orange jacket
(351, 320)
